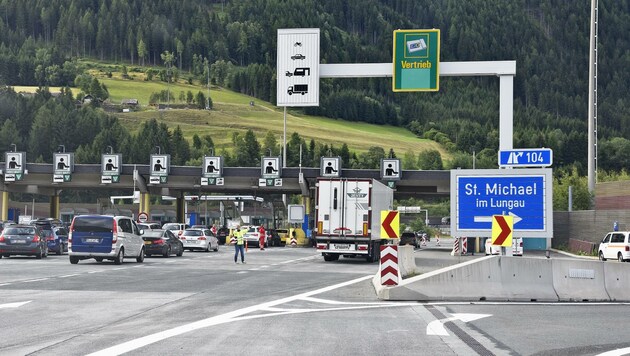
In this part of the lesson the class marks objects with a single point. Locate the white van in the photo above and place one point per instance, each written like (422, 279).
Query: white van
(615, 245)
(517, 247)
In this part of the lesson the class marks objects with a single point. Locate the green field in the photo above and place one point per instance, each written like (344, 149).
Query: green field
(232, 112)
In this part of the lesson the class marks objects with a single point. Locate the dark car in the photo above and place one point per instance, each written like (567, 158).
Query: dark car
(61, 233)
(23, 240)
(222, 234)
(162, 242)
(273, 238)
(54, 244)
(409, 238)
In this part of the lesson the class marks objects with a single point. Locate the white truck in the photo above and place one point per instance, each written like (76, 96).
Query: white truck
(348, 217)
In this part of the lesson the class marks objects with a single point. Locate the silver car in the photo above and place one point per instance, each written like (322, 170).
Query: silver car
(199, 239)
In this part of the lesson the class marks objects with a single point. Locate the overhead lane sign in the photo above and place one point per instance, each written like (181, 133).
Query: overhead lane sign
(527, 157)
(298, 67)
(525, 195)
(416, 60)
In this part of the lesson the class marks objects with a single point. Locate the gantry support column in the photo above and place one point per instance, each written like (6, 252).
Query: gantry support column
(5, 205)
(54, 211)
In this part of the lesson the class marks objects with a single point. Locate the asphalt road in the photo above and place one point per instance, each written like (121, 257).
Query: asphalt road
(283, 301)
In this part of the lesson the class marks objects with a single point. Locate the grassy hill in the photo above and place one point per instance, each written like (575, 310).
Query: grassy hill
(232, 112)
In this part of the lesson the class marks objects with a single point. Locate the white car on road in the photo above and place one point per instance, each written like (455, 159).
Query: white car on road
(199, 239)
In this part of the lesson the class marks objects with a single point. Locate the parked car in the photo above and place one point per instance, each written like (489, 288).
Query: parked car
(23, 240)
(251, 236)
(5, 223)
(177, 228)
(273, 238)
(199, 239)
(409, 238)
(615, 245)
(149, 226)
(104, 237)
(162, 242)
(222, 234)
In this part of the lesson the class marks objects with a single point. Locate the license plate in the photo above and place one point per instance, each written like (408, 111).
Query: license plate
(92, 241)
(19, 241)
(343, 247)
(147, 242)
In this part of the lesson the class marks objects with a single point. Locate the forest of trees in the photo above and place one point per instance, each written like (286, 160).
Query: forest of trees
(42, 40)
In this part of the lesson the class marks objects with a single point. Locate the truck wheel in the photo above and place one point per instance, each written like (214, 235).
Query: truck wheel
(74, 260)
(329, 257)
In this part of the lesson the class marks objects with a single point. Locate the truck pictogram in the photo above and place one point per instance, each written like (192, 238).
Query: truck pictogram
(298, 89)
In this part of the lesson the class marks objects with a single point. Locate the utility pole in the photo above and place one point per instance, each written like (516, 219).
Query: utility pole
(592, 101)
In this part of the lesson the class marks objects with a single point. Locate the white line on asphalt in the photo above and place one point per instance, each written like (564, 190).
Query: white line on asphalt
(96, 271)
(617, 352)
(215, 320)
(36, 280)
(13, 305)
(5, 284)
(299, 259)
(69, 275)
(241, 272)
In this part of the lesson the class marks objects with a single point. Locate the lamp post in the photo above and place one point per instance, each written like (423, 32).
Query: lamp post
(14, 147)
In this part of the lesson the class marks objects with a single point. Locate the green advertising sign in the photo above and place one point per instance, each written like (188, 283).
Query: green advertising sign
(416, 60)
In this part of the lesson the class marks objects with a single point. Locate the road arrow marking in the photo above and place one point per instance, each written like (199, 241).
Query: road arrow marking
(13, 305)
(436, 327)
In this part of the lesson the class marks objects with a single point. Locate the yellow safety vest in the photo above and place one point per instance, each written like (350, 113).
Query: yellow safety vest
(239, 237)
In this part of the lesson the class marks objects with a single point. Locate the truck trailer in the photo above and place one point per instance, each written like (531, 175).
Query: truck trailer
(348, 217)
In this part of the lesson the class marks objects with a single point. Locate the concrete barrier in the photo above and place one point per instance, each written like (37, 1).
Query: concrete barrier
(527, 279)
(578, 280)
(407, 261)
(617, 280)
(506, 278)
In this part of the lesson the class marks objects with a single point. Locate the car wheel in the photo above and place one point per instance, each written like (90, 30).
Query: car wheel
(601, 256)
(216, 248)
(620, 257)
(207, 248)
(74, 260)
(181, 251)
(120, 257)
(167, 252)
(140, 257)
(99, 259)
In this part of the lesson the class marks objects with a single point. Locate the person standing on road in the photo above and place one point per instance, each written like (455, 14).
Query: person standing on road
(261, 237)
(239, 246)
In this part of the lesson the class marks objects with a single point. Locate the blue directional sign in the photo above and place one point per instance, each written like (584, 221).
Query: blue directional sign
(526, 157)
(477, 195)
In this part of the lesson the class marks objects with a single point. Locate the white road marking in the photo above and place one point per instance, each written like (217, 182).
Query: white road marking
(96, 271)
(436, 327)
(618, 352)
(299, 259)
(36, 280)
(69, 275)
(5, 284)
(13, 305)
(216, 320)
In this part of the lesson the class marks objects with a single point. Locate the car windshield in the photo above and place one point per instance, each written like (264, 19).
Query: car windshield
(19, 231)
(193, 233)
(93, 224)
(153, 233)
(171, 227)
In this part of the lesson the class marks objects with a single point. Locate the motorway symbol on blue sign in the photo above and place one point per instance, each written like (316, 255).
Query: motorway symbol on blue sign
(477, 195)
(527, 157)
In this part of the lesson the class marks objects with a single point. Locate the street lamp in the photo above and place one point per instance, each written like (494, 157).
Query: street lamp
(61, 149)
(14, 147)
(111, 149)
(159, 149)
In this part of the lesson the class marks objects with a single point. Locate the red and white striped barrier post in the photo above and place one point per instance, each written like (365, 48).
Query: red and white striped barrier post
(455, 247)
(464, 245)
(390, 273)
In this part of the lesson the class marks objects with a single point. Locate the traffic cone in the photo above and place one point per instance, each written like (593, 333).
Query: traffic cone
(232, 240)
(293, 242)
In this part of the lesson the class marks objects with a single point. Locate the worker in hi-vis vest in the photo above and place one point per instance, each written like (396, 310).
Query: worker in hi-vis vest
(240, 245)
